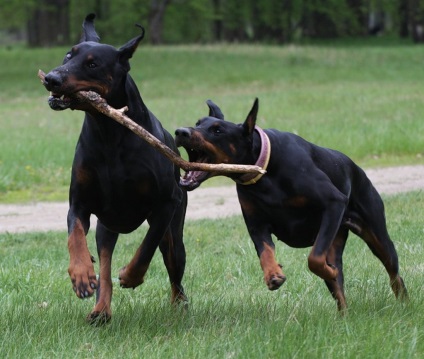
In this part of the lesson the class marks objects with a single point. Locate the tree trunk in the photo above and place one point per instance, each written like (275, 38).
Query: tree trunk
(416, 16)
(315, 23)
(49, 24)
(156, 14)
(322, 26)
(217, 22)
(359, 10)
(404, 18)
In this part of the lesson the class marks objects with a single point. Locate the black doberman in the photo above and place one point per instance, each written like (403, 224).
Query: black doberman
(115, 175)
(310, 196)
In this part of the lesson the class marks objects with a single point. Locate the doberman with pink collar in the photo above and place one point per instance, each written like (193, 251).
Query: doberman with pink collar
(310, 196)
(116, 175)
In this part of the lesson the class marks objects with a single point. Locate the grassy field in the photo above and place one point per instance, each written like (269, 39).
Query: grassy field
(363, 99)
(231, 312)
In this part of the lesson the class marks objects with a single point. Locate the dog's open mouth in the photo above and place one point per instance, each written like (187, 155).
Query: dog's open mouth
(59, 102)
(193, 179)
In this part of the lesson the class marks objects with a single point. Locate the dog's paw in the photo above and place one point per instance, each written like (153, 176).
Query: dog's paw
(98, 318)
(275, 281)
(127, 279)
(177, 295)
(84, 281)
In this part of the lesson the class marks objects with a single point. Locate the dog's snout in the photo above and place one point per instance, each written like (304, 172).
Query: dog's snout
(182, 132)
(52, 81)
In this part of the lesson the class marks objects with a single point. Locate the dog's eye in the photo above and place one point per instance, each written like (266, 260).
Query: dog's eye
(67, 57)
(216, 130)
(92, 65)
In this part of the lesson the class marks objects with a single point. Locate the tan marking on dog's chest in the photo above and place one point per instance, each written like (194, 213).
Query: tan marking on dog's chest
(297, 201)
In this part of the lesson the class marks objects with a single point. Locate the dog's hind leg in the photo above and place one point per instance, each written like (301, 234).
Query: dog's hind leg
(132, 275)
(383, 248)
(173, 253)
(378, 240)
(334, 256)
(106, 241)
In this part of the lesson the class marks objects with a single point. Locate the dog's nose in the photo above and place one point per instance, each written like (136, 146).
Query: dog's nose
(182, 132)
(52, 81)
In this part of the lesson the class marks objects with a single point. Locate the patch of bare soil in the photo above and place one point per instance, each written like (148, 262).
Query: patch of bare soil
(209, 202)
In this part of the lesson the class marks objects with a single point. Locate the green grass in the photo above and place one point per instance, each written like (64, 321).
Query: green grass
(231, 313)
(363, 100)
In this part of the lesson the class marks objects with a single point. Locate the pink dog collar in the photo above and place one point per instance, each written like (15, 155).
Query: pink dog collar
(262, 160)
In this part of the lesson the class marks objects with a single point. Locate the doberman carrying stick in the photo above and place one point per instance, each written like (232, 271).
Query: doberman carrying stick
(310, 197)
(115, 175)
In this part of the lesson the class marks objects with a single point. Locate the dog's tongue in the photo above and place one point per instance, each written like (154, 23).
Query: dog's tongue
(190, 180)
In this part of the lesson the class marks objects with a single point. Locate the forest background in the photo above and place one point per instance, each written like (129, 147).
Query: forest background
(41, 23)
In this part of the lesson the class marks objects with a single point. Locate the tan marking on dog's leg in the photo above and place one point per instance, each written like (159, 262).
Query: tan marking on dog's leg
(273, 275)
(102, 312)
(398, 287)
(131, 278)
(318, 265)
(334, 256)
(132, 275)
(388, 258)
(81, 269)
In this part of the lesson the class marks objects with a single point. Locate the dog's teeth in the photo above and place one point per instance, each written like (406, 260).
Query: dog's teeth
(62, 97)
(51, 93)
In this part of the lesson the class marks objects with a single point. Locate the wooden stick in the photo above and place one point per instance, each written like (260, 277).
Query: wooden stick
(100, 104)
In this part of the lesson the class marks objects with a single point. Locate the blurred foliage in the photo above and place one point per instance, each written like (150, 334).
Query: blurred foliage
(200, 21)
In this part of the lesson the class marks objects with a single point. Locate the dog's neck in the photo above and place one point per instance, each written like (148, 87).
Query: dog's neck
(130, 98)
(262, 161)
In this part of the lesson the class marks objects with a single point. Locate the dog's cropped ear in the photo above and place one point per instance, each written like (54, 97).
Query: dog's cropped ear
(214, 110)
(126, 51)
(89, 32)
(250, 122)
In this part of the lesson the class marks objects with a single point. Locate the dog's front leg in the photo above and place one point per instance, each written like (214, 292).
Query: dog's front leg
(273, 274)
(81, 269)
(261, 237)
(330, 225)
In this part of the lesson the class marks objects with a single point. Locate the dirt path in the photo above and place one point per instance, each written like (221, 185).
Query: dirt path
(212, 202)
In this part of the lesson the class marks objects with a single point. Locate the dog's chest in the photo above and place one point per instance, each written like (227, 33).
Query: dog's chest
(293, 219)
(121, 180)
